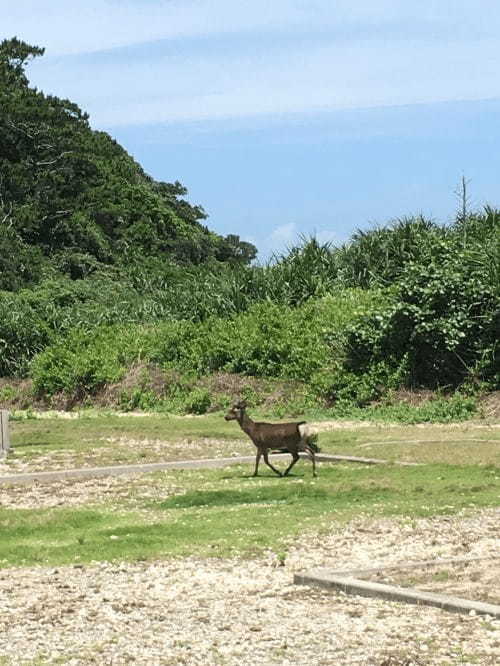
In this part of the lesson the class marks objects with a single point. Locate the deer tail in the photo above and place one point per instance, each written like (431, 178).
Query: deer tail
(309, 435)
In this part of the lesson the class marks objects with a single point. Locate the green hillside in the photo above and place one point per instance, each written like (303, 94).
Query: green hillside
(113, 290)
(73, 201)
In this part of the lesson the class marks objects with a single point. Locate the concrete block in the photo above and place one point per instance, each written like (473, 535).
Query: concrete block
(4, 432)
(363, 588)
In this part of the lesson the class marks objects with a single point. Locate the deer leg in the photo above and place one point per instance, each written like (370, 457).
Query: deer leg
(294, 460)
(266, 460)
(311, 455)
(257, 459)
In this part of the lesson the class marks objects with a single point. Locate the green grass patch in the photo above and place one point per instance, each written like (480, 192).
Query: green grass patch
(226, 512)
(111, 439)
(56, 432)
(264, 495)
(453, 445)
(95, 439)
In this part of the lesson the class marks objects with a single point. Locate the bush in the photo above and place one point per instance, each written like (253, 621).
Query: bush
(197, 401)
(435, 326)
(441, 328)
(23, 333)
(82, 362)
(267, 341)
(448, 409)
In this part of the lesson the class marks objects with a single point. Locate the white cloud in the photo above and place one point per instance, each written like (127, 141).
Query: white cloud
(285, 236)
(227, 83)
(322, 55)
(278, 242)
(327, 236)
(93, 25)
(84, 26)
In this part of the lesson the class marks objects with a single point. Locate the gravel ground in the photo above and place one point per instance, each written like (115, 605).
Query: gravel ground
(476, 580)
(130, 491)
(246, 612)
(126, 450)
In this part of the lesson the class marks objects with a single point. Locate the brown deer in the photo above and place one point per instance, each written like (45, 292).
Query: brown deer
(286, 437)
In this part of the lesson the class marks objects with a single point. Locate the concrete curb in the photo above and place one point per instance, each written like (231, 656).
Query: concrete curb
(411, 565)
(144, 468)
(365, 461)
(348, 584)
(123, 470)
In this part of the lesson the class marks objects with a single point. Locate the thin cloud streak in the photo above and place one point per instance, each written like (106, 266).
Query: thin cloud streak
(225, 83)
(97, 25)
(108, 24)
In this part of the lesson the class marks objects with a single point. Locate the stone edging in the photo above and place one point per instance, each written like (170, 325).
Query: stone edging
(4, 433)
(118, 470)
(347, 583)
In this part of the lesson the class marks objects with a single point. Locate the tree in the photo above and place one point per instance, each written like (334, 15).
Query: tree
(235, 251)
(14, 55)
(77, 197)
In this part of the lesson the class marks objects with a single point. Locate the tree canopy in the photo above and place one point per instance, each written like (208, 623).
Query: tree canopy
(73, 200)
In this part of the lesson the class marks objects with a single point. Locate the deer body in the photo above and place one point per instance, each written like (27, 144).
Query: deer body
(287, 437)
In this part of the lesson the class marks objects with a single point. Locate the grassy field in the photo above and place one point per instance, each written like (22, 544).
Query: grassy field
(459, 444)
(98, 440)
(225, 512)
(222, 513)
(111, 440)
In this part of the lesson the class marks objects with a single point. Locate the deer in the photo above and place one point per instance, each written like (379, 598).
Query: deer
(285, 437)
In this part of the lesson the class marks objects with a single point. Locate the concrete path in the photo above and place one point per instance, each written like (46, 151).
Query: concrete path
(345, 581)
(118, 470)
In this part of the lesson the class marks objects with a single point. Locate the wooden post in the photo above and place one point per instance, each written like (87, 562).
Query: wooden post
(4, 432)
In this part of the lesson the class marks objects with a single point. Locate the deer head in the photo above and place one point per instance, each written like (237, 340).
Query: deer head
(236, 411)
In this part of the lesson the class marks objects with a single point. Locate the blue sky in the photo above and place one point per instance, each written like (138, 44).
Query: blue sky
(286, 117)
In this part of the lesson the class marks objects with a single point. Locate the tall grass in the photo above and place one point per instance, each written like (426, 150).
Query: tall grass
(268, 340)
(444, 282)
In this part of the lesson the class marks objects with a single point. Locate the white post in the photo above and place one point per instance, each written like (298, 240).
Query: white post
(4, 432)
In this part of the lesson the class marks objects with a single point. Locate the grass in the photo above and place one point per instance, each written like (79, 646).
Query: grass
(443, 444)
(111, 439)
(226, 513)
(105, 439)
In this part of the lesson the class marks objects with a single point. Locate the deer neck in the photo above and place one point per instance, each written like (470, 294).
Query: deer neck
(246, 423)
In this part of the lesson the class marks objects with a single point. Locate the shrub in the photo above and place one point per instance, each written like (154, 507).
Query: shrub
(445, 409)
(23, 333)
(441, 328)
(83, 362)
(436, 325)
(197, 401)
(267, 341)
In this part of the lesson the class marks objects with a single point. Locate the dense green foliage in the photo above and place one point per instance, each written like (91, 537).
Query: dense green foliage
(443, 326)
(72, 199)
(102, 268)
(436, 325)
(267, 341)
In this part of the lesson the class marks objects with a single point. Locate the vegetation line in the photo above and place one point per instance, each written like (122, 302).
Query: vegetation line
(114, 292)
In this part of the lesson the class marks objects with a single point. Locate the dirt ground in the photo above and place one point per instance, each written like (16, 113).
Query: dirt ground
(477, 579)
(237, 612)
(246, 612)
